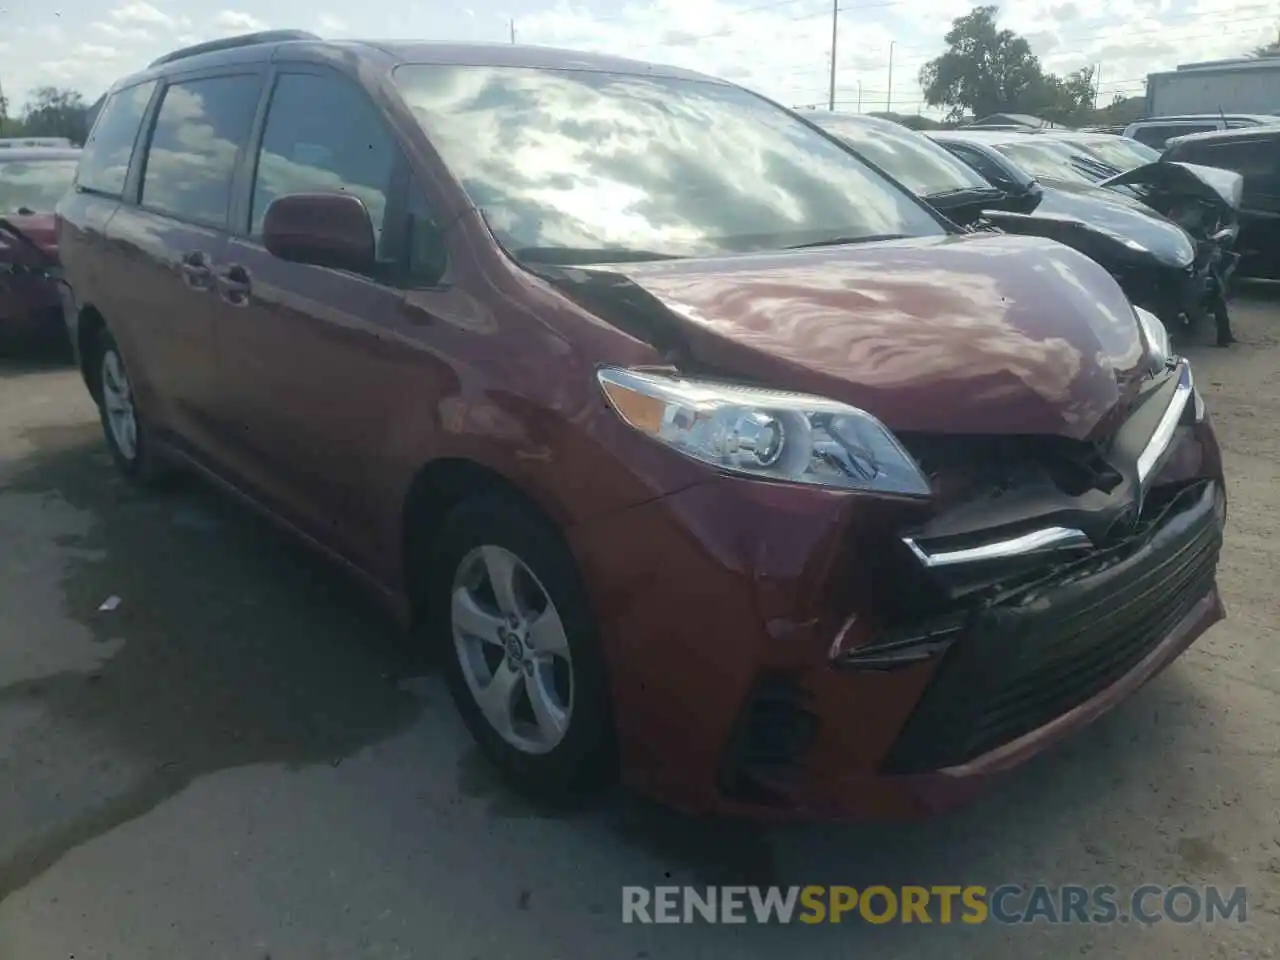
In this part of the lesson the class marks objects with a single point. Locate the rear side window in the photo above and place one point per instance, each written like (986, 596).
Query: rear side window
(1156, 134)
(104, 162)
(323, 136)
(1250, 158)
(199, 131)
(985, 166)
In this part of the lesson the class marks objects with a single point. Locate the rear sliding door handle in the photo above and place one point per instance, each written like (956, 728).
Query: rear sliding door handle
(196, 272)
(234, 285)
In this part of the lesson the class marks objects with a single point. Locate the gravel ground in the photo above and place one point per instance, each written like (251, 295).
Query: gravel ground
(237, 762)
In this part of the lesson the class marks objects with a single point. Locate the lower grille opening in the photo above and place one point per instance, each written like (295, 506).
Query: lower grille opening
(1041, 649)
(773, 732)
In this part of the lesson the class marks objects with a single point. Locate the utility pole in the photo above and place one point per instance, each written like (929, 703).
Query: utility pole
(859, 96)
(1097, 86)
(512, 24)
(888, 100)
(835, 24)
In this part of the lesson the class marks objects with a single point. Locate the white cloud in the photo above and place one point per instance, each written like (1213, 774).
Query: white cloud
(779, 47)
(117, 32)
(96, 51)
(236, 20)
(139, 12)
(331, 26)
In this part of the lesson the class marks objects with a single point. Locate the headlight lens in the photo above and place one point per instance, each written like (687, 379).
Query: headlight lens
(1157, 337)
(765, 433)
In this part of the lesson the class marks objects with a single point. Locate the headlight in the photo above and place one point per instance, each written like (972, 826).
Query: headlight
(1153, 331)
(765, 433)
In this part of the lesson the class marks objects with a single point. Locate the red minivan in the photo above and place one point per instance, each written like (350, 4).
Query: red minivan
(697, 448)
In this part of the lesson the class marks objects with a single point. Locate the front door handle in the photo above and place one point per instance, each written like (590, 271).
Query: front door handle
(234, 285)
(196, 271)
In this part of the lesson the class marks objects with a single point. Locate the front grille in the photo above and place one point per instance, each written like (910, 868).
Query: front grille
(1045, 648)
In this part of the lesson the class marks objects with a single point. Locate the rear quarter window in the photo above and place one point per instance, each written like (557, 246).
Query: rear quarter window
(104, 162)
(1157, 134)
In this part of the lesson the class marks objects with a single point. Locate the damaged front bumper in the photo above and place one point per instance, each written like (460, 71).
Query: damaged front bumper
(785, 653)
(1191, 292)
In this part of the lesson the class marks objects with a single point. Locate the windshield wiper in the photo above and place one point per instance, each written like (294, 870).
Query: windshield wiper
(841, 241)
(582, 256)
(959, 190)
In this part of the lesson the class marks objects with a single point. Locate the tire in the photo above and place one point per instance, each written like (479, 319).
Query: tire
(136, 459)
(476, 538)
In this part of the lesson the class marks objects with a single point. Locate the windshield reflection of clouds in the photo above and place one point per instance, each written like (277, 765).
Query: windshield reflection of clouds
(34, 184)
(917, 162)
(1045, 160)
(1120, 153)
(579, 159)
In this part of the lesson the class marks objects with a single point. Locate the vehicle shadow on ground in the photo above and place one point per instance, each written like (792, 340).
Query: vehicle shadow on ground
(238, 647)
(27, 360)
(242, 648)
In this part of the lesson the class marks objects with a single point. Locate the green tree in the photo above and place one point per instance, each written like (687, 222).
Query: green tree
(984, 70)
(1270, 50)
(987, 70)
(54, 112)
(1066, 100)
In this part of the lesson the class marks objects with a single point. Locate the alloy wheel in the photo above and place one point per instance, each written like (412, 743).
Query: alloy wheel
(117, 400)
(513, 650)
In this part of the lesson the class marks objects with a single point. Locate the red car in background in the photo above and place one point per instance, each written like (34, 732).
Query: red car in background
(32, 181)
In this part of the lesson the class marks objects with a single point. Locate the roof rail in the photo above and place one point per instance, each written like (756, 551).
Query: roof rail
(230, 43)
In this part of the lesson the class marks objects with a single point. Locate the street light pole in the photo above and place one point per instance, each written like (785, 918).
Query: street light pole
(835, 23)
(888, 100)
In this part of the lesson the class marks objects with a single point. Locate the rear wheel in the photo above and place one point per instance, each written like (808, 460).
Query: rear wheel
(520, 649)
(127, 436)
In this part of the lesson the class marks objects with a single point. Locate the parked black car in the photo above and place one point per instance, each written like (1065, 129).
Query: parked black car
(1166, 231)
(1254, 153)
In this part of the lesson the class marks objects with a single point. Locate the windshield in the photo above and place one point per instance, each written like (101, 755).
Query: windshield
(917, 162)
(576, 160)
(1045, 159)
(1119, 152)
(35, 185)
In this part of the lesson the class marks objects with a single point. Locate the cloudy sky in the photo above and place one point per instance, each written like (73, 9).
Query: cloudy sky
(780, 47)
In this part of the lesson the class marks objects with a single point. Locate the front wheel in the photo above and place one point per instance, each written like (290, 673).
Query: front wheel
(520, 648)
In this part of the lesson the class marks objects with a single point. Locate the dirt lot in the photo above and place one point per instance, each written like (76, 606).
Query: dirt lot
(237, 763)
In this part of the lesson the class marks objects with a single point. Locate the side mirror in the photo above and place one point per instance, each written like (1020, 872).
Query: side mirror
(1023, 199)
(321, 229)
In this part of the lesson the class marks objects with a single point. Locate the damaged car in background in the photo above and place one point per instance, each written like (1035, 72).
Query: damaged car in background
(1166, 231)
(696, 446)
(32, 181)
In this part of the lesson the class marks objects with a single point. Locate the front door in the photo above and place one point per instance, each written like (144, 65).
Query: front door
(310, 353)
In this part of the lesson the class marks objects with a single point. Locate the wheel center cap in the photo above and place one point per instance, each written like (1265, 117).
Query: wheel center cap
(514, 646)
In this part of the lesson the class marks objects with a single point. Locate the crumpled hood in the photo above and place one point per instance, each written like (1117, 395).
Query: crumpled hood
(29, 239)
(1136, 233)
(1190, 179)
(963, 334)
